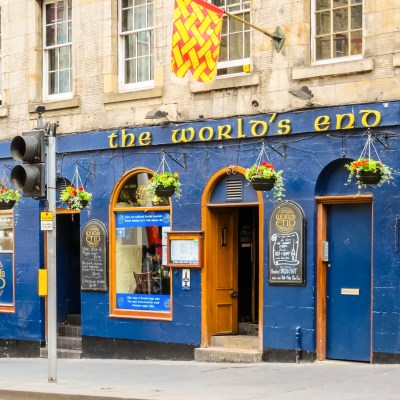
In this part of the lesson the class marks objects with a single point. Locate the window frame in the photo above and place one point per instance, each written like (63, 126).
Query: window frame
(46, 51)
(8, 307)
(333, 60)
(237, 62)
(113, 210)
(122, 35)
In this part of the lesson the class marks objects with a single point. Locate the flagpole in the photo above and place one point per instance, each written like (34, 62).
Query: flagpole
(278, 37)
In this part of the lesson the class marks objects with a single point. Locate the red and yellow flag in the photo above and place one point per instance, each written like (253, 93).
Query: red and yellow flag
(196, 39)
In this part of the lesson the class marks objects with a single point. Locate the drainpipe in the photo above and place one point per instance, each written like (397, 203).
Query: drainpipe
(298, 341)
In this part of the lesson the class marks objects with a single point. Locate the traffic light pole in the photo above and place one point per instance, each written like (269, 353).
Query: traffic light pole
(51, 256)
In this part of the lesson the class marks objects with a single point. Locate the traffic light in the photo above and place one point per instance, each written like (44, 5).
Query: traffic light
(29, 176)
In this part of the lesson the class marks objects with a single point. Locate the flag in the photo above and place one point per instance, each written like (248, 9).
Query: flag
(196, 39)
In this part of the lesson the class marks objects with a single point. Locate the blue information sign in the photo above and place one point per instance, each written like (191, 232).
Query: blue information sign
(143, 302)
(141, 219)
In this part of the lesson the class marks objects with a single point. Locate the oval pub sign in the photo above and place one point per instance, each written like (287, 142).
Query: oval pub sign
(287, 245)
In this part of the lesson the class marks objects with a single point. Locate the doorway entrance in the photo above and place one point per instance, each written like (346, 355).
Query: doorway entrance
(233, 272)
(344, 278)
(68, 266)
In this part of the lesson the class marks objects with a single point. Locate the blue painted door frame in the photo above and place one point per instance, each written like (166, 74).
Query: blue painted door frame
(348, 281)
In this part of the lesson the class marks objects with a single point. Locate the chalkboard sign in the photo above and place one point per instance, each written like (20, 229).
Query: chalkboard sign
(286, 245)
(94, 256)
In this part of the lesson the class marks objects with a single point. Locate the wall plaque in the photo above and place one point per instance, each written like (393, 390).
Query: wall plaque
(287, 245)
(94, 256)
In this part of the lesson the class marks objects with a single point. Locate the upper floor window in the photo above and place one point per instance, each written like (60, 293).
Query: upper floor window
(234, 54)
(338, 29)
(57, 49)
(136, 44)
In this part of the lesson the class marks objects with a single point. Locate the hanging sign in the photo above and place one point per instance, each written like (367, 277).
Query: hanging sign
(94, 256)
(287, 245)
(185, 249)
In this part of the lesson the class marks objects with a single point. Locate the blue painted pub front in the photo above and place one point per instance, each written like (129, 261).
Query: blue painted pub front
(345, 306)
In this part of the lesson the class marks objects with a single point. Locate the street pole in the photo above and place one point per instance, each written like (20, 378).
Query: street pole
(51, 256)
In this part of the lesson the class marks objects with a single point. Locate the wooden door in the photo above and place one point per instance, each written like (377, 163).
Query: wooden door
(225, 267)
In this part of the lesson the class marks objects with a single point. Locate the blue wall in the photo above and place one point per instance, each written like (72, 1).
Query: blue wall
(308, 159)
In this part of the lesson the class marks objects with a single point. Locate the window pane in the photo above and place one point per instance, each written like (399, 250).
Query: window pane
(64, 81)
(235, 46)
(223, 51)
(127, 20)
(340, 3)
(130, 71)
(323, 22)
(50, 35)
(356, 43)
(64, 57)
(323, 4)
(356, 17)
(53, 60)
(50, 13)
(140, 17)
(130, 46)
(323, 45)
(127, 3)
(143, 69)
(61, 11)
(143, 43)
(62, 33)
(53, 79)
(340, 45)
(6, 232)
(340, 20)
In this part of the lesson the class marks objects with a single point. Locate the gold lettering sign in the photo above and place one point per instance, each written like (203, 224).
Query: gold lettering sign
(93, 236)
(285, 220)
(2, 277)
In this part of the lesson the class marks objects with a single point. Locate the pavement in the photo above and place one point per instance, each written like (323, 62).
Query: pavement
(89, 379)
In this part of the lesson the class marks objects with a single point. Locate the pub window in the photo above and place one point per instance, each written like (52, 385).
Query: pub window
(6, 262)
(140, 280)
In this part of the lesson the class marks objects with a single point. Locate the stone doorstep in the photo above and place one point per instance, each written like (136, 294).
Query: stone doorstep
(69, 343)
(226, 354)
(235, 342)
(62, 353)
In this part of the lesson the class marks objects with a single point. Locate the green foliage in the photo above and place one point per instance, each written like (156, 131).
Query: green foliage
(74, 197)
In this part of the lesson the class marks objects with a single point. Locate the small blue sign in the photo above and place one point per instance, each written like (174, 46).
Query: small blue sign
(140, 219)
(6, 280)
(144, 302)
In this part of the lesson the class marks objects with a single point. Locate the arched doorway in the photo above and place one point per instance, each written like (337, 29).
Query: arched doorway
(232, 219)
(344, 267)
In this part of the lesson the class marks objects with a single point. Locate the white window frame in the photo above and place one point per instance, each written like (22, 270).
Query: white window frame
(235, 62)
(46, 49)
(333, 60)
(147, 84)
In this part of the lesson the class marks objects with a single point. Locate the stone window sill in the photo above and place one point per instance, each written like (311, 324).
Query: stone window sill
(59, 105)
(226, 83)
(130, 96)
(340, 68)
(3, 112)
(396, 60)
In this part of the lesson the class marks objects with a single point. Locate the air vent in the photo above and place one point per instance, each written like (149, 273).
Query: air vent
(61, 184)
(234, 189)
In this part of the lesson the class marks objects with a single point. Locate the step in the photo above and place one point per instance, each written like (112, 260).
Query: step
(69, 330)
(69, 343)
(74, 319)
(62, 353)
(226, 354)
(235, 342)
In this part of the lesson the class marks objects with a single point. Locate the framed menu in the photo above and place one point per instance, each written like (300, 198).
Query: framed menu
(185, 249)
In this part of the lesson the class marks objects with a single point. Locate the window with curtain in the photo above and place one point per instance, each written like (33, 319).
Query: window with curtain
(136, 44)
(57, 49)
(141, 281)
(234, 54)
(338, 29)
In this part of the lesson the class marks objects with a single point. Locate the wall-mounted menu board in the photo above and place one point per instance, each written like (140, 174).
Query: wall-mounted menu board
(185, 249)
(287, 245)
(94, 256)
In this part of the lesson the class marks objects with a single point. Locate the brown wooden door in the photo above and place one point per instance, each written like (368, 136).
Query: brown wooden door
(226, 272)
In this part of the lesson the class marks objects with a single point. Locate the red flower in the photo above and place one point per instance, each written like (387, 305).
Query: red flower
(80, 188)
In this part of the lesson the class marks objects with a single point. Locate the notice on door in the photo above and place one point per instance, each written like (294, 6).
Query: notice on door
(286, 245)
(94, 256)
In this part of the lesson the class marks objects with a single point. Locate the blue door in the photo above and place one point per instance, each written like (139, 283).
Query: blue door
(348, 286)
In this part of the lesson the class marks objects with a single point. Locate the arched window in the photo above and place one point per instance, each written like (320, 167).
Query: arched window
(140, 283)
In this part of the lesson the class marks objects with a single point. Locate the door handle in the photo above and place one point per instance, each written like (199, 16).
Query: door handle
(234, 293)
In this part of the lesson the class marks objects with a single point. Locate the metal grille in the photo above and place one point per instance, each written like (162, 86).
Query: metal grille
(61, 184)
(234, 189)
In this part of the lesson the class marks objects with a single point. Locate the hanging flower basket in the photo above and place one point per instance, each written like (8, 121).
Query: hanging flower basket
(263, 177)
(162, 191)
(76, 199)
(8, 197)
(369, 172)
(164, 184)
